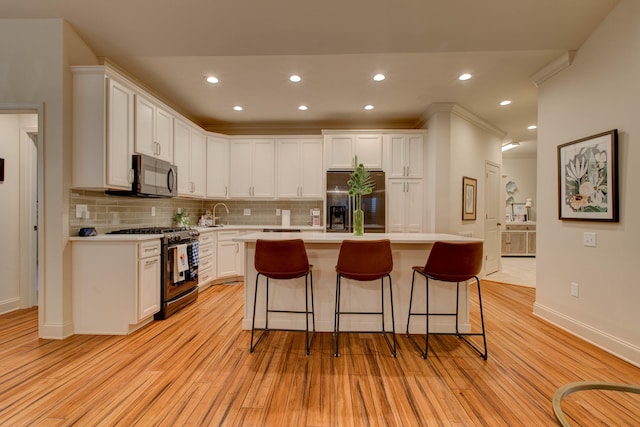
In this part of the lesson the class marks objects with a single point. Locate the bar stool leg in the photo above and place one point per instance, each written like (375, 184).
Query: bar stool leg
(394, 352)
(336, 323)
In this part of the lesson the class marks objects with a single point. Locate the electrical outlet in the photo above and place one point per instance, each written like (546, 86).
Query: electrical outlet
(589, 239)
(574, 289)
(81, 211)
(87, 214)
(153, 211)
(247, 212)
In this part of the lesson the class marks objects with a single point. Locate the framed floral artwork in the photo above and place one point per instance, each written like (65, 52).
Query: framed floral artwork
(588, 178)
(469, 198)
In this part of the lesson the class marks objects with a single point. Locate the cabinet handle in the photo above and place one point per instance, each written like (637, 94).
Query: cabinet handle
(225, 190)
(159, 148)
(407, 170)
(150, 262)
(130, 176)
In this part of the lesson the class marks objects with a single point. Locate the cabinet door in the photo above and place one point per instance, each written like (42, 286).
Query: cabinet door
(396, 209)
(368, 148)
(217, 163)
(198, 163)
(514, 242)
(145, 112)
(531, 242)
(263, 168)
(397, 168)
(339, 151)
(311, 171)
(226, 262)
(240, 169)
(120, 136)
(413, 156)
(289, 169)
(182, 156)
(413, 218)
(164, 134)
(148, 286)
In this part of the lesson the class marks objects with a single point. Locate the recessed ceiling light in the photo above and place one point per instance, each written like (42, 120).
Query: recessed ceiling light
(505, 102)
(532, 127)
(212, 79)
(295, 78)
(379, 77)
(368, 107)
(238, 108)
(303, 108)
(465, 76)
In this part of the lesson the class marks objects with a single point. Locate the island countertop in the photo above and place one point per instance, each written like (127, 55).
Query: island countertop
(409, 249)
(315, 237)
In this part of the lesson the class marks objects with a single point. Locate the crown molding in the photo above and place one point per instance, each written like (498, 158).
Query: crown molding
(455, 109)
(552, 68)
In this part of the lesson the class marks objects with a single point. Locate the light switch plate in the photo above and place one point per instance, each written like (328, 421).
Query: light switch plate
(589, 239)
(247, 212)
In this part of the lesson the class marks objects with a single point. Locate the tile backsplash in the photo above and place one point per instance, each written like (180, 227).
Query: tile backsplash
(108, 213)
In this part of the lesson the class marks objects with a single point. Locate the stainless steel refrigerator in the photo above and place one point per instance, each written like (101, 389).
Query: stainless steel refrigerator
(340, 205)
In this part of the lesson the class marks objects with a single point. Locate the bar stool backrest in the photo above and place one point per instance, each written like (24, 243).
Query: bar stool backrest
(365, 259)
(454, 261)
(281, 259)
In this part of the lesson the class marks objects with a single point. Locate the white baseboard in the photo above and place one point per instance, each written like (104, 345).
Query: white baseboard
(9, 305)
(609, 343)
(56, 331)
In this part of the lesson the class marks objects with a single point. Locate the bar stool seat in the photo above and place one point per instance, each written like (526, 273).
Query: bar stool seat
(450, 262)
(283, 260)
(365, 260)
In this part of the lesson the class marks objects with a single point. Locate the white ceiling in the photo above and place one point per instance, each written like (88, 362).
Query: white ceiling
(252, 46)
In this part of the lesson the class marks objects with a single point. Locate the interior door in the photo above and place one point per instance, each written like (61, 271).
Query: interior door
(492, 214)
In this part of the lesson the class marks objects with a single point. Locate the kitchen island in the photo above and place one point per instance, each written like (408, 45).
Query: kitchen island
(409, 249)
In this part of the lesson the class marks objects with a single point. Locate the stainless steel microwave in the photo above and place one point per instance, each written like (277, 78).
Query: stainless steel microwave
(151, 178)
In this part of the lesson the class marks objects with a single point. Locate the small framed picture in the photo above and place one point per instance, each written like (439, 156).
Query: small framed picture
(588, 178)
(469, 187)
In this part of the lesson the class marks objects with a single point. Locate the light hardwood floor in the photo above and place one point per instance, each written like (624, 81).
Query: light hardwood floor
(195, 369)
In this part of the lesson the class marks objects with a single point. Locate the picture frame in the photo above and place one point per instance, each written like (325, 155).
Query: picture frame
(588, 178)
(519, 212)
(469, 198)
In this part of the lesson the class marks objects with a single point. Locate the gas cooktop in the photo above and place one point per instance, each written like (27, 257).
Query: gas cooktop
(150, 230)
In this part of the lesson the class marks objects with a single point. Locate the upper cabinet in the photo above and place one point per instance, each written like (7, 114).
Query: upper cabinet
(103, 129)
(340, 149)
(217, 167)
(154, 130)
(405, 155)
(299, 168)
(190, 157)
(252, 168)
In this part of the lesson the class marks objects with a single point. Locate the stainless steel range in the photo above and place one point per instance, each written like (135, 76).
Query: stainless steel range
(180, 260)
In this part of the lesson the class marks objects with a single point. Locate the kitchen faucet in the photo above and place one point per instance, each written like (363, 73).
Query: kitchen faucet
(214, 212)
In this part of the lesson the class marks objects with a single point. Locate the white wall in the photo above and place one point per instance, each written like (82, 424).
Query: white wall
(522, 171)
(34, 55)
(597, 93)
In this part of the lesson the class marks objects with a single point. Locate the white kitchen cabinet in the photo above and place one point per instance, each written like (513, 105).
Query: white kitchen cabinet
(519, 239)
(299, 168)
(217, 167)
(340, 150)
(229, 255)
(154, 130)
(405, 208)
(252, 168)
(116, 284)
(148, 279)
(190, 157)
(405, 155)
(103, 129)
(207, 251)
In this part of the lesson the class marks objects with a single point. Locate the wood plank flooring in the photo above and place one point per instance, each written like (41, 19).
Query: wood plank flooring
(195, 369)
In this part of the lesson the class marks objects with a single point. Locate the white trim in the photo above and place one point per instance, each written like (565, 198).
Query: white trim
(620, 348)
(9, 305)
(56, 331)
(463, 113)
(553, 68)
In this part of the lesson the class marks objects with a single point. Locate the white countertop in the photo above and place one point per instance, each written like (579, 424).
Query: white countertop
(311, 237)
(262, 227)
(116, 238)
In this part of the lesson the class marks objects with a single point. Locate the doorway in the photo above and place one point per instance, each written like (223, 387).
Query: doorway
(19, 197)
(492, 215)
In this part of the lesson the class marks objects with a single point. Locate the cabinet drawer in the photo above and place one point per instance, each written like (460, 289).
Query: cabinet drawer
(520, 227)
(206, 250)
(148, 249)
(207, 238)
(227, 235)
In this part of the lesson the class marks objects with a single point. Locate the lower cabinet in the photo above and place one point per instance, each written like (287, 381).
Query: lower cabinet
(519, 240)
(405, 206)
(207, 250)
(116, 285)
(229, 255)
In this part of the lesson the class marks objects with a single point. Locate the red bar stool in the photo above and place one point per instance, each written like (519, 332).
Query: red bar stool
(451, 262)
(281, 260)
(365, 260)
